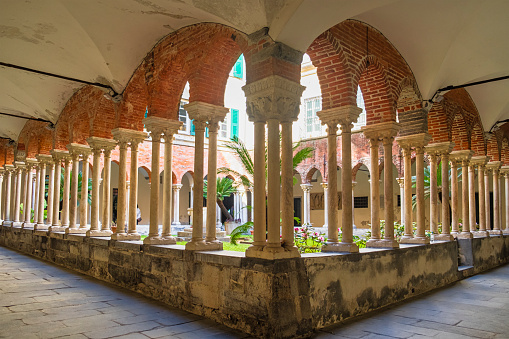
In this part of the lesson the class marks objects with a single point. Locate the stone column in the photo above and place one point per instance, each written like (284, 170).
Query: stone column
(17, 200)
(388, 133)
(122, 191)
(84, 191)
(172, 128)
(344, 116)
(27, 207)
(401, 183)
(373, 135)
(274, 100)
(108, 145)
(325, 205)
(51, 186)
(37, 187)
(176, 206)
(24, 186)
(2, 195)
(465, 232)
(435, 150)
(45, 161)
(487, 202)
(243, 203)
(471, 197)
(419, 141)
(306, 188)
(94, 215)
(73, 203)
(67, 192)
(480, 163)
(8, 189)
(494, 166)
(505, 171)
(354, 183)
(287, 207)
(58, 156)
(454, 196)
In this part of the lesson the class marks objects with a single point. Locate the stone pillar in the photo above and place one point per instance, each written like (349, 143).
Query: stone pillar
(388, 133)
(344, 116)
(76, 150)
(58, 156)
(8, 188)
(487, 202)
(107, 145)
(84, 191)
(243, 204)
(418, 141)
(157, 126)
(27, 207)
(401, 183)
(306, 188)
(2, 195)
(480, 163)
(505, 172)
(325, 205)
(462, 157)
(373, 135)
(274, 100)
(46, 162)
(435, 150)
(494, 166)
(24, 186)
(51, 187)
(176, 206)
(67, 192)
(433, 159)
(37, 186)
(94, 214)
(354, 183)
(454, 197)
(17, 200)
(122, 191)
(471, 197)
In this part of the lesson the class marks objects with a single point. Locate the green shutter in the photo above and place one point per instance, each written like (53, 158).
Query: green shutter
(235, 123)
(146, 112)
(238, 68)
(192, 127)
(206, 132)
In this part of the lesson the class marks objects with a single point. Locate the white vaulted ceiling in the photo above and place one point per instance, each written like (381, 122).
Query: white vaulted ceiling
(445, 42)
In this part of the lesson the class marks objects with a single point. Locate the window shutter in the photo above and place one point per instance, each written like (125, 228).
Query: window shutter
(238, 68)
(192, 127)
(235, 123)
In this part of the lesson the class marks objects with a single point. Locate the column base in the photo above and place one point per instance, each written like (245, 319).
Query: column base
(506, 231)
(126, 237)
(382, 243)
(340, 247)
(444, 237)
(495, 233)
(415, 240)
(465, 235)
(481, 234)
(7, 223)
(29, 225)
(272, 253)
(57, 229)
(98, 233)
(156, 240)
(75, 231)
(40, 227)
(17, 224)
(204, 246)
(254, 248)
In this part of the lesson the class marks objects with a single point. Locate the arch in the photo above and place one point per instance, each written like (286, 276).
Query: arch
(407, 95)
(438, 124)
(149, 173)
(357, 167)
(309, 175)
(477, 142)
(173, 178)
(459, 134)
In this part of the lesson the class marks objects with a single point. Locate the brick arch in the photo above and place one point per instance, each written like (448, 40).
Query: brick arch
(173, 178)
(407, 95)
(477, 142)
(492, 148)
(438, 124)
(459, 133)
(504, 152)
(356, 168)
(332, 67)
(61, 132)
(371, 77)
(309, 175)
(148, 172)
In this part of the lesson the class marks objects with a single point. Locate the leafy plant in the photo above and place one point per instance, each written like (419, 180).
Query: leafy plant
(239, 231)
(80, 185)
(225, 188)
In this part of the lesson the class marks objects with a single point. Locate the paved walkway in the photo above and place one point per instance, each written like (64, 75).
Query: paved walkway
(41, 300)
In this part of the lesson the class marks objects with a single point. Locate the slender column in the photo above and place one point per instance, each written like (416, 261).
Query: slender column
(259, 213)
(454, 197)
(496, 203)
(27, 208)
(73, 207)
(325, 205)
(354, 183)
(287, 188)
(167, 184)
(419, 169)
(17, 199)
(133, 198)
(389, 192)
(487, 202)
(346, 186)
(37, 187)
(212, 186)
(176, 205)
(2, 195)
(446, 225)
(243, 196)
(106, 212)
(84, 192)
(401, 183)
(24, 187)
(482, 201)
(332, 178)
(506, 176)
(409, 228)
(8, 183)
(56, 194)
(94, 215)
(51, 184)
(374, 144)
(66, 194)
(153, 235)
(306, 188)
(465, 233)
(197, 236)
(42, 189)
(273, 187)
(471, 197)
(122, 190)
(433, 194)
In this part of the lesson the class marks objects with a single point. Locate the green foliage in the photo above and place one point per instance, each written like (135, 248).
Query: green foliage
(225, 188)
(239, 231)
(308, 241)
(80, 179)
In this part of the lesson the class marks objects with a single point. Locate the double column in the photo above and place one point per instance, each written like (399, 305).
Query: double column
(275, 101)
(478, 162)
(56, 224)
(504, 172)
(9, 170)
(494, 167)
(158, 128)
(461, 158)
(19, 168)
(132, 138)
(417, 142)
(439, 151)
(76, 151)
(204, 115)
(27, 204)
(45, 163)
(384, 132)
(306, 189)
(345, 116)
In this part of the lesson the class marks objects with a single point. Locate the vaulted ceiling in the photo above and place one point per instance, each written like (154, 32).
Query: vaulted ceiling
(445, 42)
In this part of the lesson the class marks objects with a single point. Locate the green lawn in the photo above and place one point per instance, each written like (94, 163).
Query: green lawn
(226, 245)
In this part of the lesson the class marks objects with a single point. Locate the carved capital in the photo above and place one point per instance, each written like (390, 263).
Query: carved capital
(97, 143)
(45, 159)
(494, 165)
(480, 161)
(59, 155)
(273, 97)
(381, 131)
(417, 141)
(204, 112)
(158, 126)
(505, 171)
(128, 136)
(460, 156)
(306, 187)
(439, 148)
(32, 163)
(78, 149)
(344, 116)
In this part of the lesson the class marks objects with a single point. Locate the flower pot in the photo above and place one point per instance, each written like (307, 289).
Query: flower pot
(114, 229)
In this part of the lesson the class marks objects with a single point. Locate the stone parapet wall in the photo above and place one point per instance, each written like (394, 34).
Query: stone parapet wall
(281, 298)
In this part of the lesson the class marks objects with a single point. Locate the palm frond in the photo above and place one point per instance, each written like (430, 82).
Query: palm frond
(239, 148)
(239, 230)
(302, 155)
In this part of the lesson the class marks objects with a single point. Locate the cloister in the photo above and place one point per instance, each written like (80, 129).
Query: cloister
(423, 107)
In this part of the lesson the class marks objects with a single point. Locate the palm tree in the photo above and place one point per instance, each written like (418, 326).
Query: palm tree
(427, 183)
(225, 188)
(80, 180)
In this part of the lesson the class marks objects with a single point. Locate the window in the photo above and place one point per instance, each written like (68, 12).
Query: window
(184, 118)
(223, 128)
(313, 125)
(360, 202)
(234, 131)
(361, 121)
(238, 68)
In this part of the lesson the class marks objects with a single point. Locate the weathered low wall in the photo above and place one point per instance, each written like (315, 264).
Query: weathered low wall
(282, 298)
(484, 253)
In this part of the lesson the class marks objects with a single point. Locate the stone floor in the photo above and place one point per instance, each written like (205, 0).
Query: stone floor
(40, 300)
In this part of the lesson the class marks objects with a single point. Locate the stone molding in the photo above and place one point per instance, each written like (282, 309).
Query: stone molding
(44, 159)
(306, 187)
(479, 160)
(32, 162)
(9, 168)
(494, 165)
(401, 182)
(343, 115)
(128, 136)
(176, 187)
(159, 126)
(59, 155)
(204, 112)
(79, 149)
(273, 97)
(439, 148)
(19, 165)
(101, 143)
(413, 141)
(463, 155)
(504, 170)
(382, 130)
